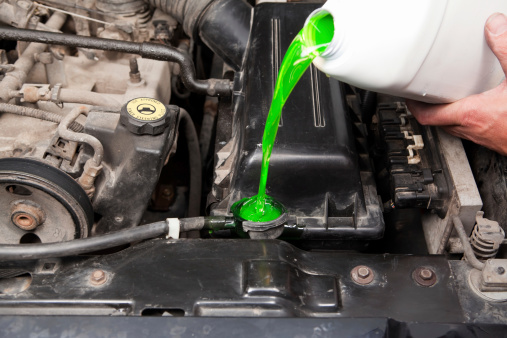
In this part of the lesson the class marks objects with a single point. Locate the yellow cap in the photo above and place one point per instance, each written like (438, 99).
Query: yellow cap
(146, 109)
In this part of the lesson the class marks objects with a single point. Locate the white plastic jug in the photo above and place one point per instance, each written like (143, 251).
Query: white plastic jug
(428, 50)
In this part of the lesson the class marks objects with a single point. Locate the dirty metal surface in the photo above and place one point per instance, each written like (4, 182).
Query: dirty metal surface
(57, 326)
(233, 278)
(477, 307)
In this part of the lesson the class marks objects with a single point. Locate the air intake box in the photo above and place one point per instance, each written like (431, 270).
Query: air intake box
(315, 168)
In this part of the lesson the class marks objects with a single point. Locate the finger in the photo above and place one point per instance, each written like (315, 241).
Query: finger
(496, 36)
(435, 114)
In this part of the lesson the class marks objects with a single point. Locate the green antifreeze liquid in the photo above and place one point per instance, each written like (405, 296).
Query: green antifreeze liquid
(310, 42)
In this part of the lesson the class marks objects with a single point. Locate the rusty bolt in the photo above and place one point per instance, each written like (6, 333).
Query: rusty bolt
(424, 276)
(98, 277)
(24, 221)
(363, 272)
(362, 275)
(135, 75)
(27, 215)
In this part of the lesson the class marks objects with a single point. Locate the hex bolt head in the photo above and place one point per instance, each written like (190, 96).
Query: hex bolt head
(500, 270)
(362, 275)
(27, 215)
(98, 277)
(426, 274)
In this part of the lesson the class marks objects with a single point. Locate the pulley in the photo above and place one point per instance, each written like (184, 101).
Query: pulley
(40, 204)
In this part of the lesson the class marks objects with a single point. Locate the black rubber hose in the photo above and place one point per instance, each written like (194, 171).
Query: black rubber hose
(16, 252)
(38, 114)
(192, 223)
(208, 222)
(194, 156)
(225, 28)
(211, 87)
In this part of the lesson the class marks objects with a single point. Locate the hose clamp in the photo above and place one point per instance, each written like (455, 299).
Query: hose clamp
(174, 228)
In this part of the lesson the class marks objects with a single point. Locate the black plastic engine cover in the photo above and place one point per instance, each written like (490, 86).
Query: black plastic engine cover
(314, 169)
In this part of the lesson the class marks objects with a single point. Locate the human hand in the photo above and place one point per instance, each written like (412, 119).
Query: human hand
(481, 118)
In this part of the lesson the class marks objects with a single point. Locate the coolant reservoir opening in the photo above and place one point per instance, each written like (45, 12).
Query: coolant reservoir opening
(246, 210)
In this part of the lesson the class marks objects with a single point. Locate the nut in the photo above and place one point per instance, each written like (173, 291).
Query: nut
(362, 275)
(98, 277)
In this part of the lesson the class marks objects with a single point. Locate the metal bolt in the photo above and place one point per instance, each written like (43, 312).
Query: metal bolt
(135, 75)
(27, 215)
(25, 221)
(98, 277)
(426, 274)
(363, 272)
(362, 275)
(500, 270)
(134, 68)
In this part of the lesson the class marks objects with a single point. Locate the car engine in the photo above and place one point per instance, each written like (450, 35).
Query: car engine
(130, 128)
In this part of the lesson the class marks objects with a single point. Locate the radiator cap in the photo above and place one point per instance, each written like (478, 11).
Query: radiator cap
(145, 116)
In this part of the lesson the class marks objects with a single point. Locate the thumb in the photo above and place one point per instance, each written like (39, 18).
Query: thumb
(496, 36)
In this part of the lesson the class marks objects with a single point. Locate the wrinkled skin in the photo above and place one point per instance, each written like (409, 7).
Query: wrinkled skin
(480, 118)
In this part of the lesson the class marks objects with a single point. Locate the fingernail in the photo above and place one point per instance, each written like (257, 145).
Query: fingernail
(497, 24)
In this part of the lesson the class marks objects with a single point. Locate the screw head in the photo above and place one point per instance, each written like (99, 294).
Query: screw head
(98, 277)
(500, 270)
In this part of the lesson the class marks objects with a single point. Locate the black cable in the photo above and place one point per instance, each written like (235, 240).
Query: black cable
(16, 252)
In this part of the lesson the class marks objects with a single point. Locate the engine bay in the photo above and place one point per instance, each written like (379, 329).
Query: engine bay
(129, 129)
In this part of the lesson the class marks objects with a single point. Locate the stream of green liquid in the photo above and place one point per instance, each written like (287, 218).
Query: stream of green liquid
(310, 42)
